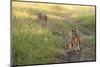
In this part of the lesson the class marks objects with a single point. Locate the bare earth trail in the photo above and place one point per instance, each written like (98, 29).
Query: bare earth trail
(72, 56)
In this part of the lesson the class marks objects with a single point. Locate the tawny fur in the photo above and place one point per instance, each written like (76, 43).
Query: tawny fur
(42, 18)
(74, 40)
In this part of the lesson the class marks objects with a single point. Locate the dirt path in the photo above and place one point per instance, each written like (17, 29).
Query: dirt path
(72, 56)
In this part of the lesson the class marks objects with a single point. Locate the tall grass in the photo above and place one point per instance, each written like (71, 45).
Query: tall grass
(33, 44)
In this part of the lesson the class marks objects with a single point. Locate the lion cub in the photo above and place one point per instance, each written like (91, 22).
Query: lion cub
(74, 40)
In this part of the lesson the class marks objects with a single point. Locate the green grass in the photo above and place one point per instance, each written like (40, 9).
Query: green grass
(87, 20)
